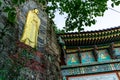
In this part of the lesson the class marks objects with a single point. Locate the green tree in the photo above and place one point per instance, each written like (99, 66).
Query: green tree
(58, 31)
(80, 12)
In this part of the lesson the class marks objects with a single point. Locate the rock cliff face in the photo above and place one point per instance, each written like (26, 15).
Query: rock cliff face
(40, 64)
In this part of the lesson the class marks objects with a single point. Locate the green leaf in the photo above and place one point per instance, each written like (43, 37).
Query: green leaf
(7, 9)
(112, 5)
(15, 1)
(117, 3)
(11, 16)
(0, 3)
(22, 1)
(94, 21)
(43, 2)
(80, 13)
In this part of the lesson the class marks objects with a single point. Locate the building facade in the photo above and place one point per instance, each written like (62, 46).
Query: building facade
(91, 55)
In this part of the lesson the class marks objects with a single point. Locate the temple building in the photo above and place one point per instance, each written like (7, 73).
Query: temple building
(91, 55)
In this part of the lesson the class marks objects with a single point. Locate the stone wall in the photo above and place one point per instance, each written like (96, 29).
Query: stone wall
(47, 42)
(22, 14)
(53, 52)
(44, 64)
(8, 37)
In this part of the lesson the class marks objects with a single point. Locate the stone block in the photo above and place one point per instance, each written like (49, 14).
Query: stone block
(40, 40)
(43, 22)
(32, 4)
(42, 30)
(1, 26)
(41, 49)
(24, 10)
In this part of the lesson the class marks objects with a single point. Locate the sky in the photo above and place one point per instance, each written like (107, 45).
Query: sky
(110, 19)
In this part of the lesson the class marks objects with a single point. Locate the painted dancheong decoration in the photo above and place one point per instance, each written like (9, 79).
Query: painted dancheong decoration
(87, 57)
(31, 28)
(111, 76)
(98, 55)
(91, 69)
(103, 55)
(117, 52)
(72, 59)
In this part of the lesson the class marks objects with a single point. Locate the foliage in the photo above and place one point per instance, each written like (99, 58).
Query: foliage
(9, 7)
(10, 69)
(19, 62)
(80, 12)
(0, 3)
(11, 13)
(58, 31)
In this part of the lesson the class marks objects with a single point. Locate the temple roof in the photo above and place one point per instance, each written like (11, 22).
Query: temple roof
(91, 37)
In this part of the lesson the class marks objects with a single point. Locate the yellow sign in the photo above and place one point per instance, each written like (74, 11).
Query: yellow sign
(31, 28)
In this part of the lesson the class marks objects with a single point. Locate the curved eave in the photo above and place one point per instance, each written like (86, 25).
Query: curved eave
(91, 37)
